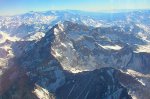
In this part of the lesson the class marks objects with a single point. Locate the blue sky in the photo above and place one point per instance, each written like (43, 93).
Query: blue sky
(11, 7)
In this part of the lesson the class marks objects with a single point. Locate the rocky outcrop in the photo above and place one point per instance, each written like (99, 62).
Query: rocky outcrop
(97, 84)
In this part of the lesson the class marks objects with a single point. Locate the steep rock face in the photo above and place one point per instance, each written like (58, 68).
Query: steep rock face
(44, 69)
(140, 62)
(97, 84)
(41, 67)
(81, 48)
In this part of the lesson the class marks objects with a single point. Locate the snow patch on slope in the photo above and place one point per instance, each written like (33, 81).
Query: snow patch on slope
(37, 36)
(143, 48)
(42, 93)
(111, 47)
(5, 36)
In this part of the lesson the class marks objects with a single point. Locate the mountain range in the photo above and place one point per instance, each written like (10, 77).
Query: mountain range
(75, 55)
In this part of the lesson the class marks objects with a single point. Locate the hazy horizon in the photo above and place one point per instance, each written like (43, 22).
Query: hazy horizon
(102, 11)
(13, 7)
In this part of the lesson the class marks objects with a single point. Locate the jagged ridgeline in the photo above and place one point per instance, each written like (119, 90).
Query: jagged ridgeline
(75, 55)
